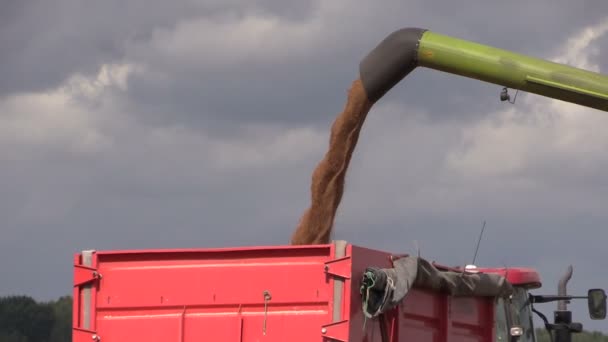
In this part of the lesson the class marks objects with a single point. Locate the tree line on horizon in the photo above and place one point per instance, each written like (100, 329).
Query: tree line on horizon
(23, 319)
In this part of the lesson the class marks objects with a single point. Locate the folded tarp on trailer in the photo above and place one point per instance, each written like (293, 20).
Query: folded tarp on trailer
(385, 288)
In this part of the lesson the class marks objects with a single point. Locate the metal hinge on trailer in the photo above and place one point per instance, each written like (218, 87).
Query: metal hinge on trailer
(84, 335)
(340, 267)
(84, 275)
(337, 331)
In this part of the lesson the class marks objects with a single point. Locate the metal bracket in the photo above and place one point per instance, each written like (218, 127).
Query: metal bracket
(340, 268)
(337, 331)
(83, 335)
(84, 275)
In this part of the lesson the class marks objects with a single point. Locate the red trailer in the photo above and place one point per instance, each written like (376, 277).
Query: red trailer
(277, 293)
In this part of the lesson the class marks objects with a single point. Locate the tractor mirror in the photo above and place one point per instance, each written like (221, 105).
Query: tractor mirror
(596, 300)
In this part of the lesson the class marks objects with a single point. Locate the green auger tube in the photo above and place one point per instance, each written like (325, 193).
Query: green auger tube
(404, 50)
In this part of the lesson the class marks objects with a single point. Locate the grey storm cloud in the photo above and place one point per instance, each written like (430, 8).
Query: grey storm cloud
(198, 123)
(264, 78)
(43, 43)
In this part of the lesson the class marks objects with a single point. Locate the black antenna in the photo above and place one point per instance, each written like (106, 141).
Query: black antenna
(479, 241)
(476, 248)
(506, 270)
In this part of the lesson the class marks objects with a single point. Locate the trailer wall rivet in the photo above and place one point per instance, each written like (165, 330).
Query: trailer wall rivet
(323, 330)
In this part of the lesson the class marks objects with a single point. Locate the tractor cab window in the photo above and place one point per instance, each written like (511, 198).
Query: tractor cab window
(511, 312)
(521, 314)
(501, 323)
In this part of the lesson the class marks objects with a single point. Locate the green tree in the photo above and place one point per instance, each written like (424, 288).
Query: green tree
(62, 330)
(22, 316)
(12, 337)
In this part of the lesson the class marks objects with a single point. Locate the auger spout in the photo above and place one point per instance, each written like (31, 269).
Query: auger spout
(406, 49)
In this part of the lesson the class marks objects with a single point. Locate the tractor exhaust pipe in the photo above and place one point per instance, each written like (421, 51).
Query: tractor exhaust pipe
(562, 316)
(561, 289)
(406, 49)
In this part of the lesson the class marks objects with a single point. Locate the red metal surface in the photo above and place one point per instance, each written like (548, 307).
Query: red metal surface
(76, 301)
(202, 295)
(423, 315)
(339, 267)
(83, 335)
(218, 295)
(84, 275)
(337, 331)
(520, 276)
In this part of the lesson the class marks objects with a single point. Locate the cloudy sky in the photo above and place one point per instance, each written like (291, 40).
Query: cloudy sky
(159, 124)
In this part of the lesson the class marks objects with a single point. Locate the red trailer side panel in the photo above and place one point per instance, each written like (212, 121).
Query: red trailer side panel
(286, 293)
(423, 315)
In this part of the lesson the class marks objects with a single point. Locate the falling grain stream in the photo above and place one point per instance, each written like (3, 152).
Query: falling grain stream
(316, 224)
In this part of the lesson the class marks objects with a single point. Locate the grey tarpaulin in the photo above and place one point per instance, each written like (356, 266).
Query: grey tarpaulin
(384, 288)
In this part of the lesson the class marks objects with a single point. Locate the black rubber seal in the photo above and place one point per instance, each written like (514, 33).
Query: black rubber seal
(389, 62)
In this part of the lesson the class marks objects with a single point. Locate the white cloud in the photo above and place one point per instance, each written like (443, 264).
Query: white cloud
(578, 51)
(223, 41)
(83, 115)
(269, 148)
(77, 142)
(59, 117)
(234, 40)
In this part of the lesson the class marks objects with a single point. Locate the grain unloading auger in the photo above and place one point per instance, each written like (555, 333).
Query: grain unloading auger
(391, 61)
(406, 49)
